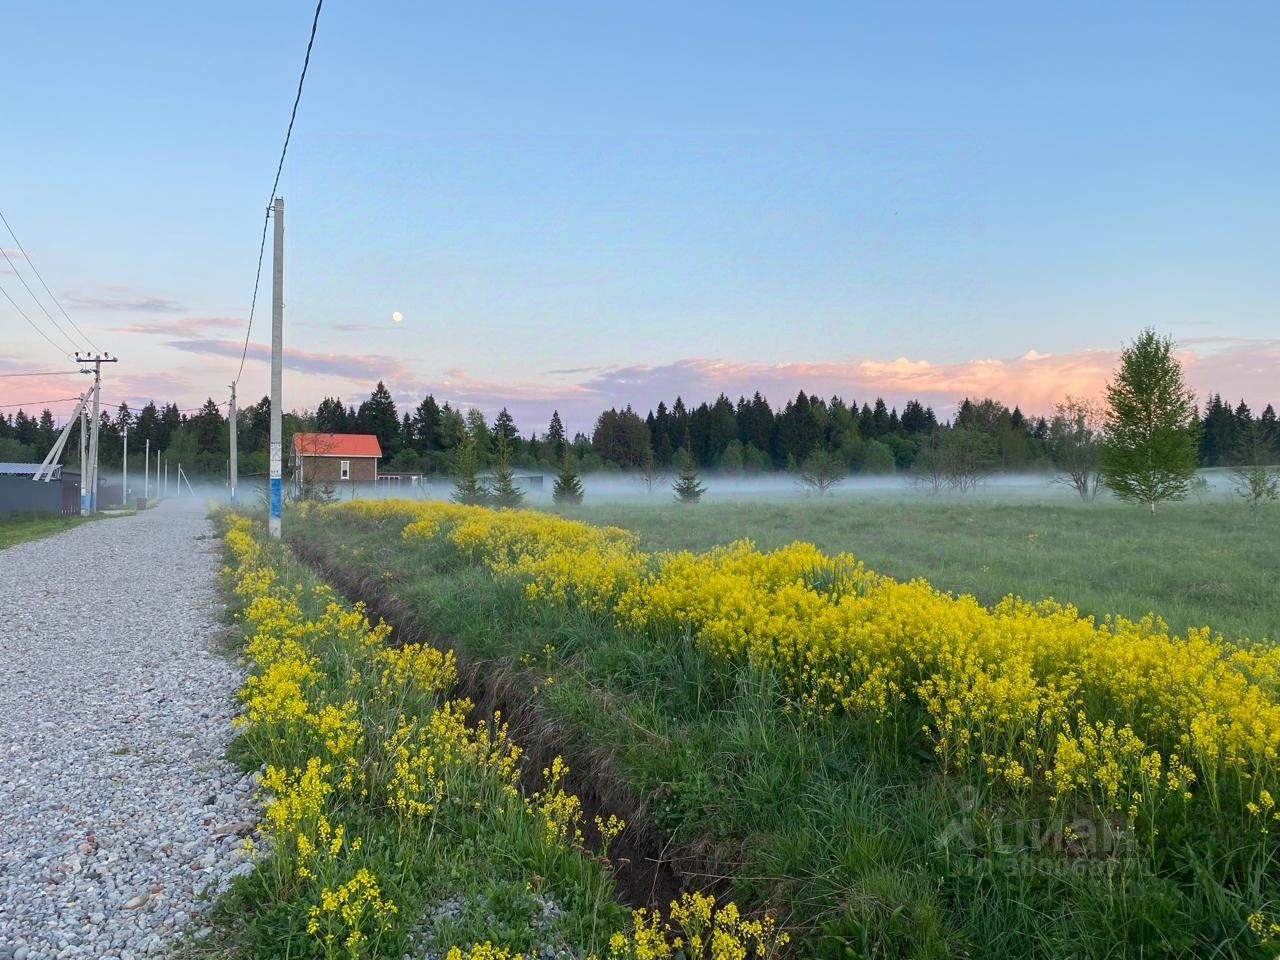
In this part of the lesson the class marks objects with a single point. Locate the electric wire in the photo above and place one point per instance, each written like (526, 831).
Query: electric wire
(262, 244)
(43, 373)
(58, 303)
(37, 403)
(22, 313)
(38, 302)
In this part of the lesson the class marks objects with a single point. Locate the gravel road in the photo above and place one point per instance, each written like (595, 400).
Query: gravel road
(116, 807)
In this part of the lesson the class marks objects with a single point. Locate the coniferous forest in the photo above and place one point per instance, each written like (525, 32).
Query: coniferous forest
(746, 436)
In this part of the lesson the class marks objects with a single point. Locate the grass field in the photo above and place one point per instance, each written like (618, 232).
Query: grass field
(845, 822)
(1195, 564)
(22, 529)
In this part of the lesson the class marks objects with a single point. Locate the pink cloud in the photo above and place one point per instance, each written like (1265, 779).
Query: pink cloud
(1236, 367)
(368, 367)
(186, 326)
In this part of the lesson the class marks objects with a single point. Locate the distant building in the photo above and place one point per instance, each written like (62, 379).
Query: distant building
(339, 460)
(20, 494)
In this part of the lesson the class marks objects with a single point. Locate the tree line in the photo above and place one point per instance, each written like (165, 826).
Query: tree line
(821, 437)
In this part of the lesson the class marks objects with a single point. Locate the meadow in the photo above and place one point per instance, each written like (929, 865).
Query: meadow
(892, 770)
(1194, 563)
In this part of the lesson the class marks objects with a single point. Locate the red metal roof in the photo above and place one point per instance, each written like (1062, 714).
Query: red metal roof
(336, 445)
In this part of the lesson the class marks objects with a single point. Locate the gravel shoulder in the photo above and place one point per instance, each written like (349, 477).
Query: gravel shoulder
(115, 713)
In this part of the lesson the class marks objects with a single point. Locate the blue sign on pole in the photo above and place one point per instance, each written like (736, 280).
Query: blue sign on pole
(275, 498)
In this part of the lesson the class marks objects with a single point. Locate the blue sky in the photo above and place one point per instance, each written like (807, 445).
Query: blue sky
(581, 205)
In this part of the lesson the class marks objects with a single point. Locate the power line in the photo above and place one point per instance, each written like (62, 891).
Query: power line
(38, 302)
(58, 303)
(262, 244)
(43, 373)
(37, 403)
(24, 316)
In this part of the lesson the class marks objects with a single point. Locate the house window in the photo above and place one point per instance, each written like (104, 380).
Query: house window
(344, 468)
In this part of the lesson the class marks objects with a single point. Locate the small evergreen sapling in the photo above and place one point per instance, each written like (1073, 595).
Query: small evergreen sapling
(504, 491)
(568, 488)
(687, 488)
(468, 488)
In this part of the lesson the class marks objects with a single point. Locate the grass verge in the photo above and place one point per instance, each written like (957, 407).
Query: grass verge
(22, 529)
(393, 822)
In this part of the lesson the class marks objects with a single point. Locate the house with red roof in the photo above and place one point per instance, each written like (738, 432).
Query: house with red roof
(335, 459)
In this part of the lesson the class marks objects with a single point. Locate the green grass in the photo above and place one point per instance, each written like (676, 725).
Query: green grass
(848, 829)
(24, 528)
(1195, 563)
(466, 867)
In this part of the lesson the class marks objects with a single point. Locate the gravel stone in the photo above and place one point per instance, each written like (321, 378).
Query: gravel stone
(115, 714)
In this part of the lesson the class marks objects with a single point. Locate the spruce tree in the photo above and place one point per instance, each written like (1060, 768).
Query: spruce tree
(1149, 447)
(504, 491)
(378, 416)
(468, 488)
(555, 435)
(567, 491)
(687, 488)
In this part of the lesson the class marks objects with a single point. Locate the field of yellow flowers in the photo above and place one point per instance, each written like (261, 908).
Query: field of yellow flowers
(382, 797)
(1110, 767)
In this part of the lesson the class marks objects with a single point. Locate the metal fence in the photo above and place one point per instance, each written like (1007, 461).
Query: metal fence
(24, 495)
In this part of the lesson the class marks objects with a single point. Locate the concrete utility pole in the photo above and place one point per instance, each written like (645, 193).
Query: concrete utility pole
(146, 472)
(166, 476)
(277, 350)
(231, 422)
(97, 360)
(157, 474)
(84, 460)
(124, 469)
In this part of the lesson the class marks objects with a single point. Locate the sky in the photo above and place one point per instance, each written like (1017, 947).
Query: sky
(577, 206)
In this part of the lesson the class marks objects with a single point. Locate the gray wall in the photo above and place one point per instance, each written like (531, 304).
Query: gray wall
(24, 495)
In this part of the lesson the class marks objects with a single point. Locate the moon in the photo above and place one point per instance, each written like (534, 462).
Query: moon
(397, 317)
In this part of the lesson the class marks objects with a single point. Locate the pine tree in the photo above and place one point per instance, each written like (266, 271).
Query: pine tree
(426, 425)
(504, 492)
(1149, 447)
(567, 491)
(468, 488)
(687, 488)
(378, 416)
(555, 435)
(504, 429)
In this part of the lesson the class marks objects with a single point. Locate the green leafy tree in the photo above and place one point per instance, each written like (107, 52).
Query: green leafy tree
(468, 488)
(1254, 477)
(821, 471)
(503, 490)
(687, 488)
(1073, 441)
(568, 487)
(1149, 447)
(875, 456)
